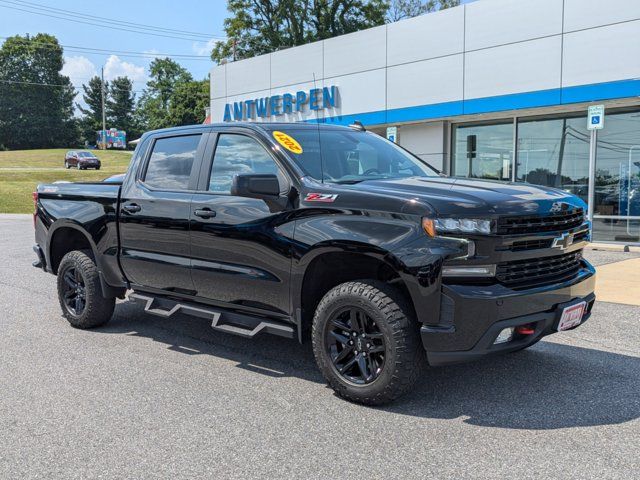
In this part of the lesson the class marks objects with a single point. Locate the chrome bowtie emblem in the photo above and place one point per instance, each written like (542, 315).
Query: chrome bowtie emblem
(563, 242)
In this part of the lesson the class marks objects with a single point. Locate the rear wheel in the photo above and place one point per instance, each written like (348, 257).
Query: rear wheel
(366, 342)
(80, 293)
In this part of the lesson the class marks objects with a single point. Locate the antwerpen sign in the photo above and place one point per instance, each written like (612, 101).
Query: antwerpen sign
(277, 105)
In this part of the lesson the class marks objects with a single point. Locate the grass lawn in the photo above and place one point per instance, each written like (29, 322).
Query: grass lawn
(22, 170)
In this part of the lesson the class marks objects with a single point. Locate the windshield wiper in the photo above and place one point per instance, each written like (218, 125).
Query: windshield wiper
(353, 181)
(350, 182)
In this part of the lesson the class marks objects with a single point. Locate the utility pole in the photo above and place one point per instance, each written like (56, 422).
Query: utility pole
(104, 118)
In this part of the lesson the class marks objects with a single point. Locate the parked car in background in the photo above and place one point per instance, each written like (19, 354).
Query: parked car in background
(81, 160)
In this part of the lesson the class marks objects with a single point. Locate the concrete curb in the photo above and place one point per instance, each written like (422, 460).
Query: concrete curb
(15, 215)
(612, 247)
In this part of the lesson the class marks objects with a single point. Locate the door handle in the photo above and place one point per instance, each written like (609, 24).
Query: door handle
(204, 213)
(132, 208)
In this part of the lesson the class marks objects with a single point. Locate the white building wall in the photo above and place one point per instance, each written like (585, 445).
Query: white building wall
(486, 56)
(426, 140)
(602, 54)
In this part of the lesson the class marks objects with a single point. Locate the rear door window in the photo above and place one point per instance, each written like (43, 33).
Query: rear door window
(171, 162)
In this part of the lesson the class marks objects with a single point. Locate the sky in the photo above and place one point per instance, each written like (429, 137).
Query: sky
(203, 17)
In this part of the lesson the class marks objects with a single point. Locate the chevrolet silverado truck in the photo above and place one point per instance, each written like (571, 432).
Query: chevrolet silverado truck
(326, 234)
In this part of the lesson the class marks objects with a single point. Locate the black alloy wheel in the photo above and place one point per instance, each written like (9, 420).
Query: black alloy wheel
(367, 342)
(80, 291)
(74, 291)
(355, 345)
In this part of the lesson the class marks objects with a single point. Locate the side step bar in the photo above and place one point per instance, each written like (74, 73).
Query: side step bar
(222, 320)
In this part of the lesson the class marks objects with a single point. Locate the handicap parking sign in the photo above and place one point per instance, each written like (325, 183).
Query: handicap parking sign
(595, 117)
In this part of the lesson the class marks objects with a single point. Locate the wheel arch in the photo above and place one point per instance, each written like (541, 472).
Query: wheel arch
(327, 266)
(64, 237)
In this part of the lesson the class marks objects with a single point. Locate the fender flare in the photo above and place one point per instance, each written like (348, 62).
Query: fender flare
(379, 254)
(67, 223)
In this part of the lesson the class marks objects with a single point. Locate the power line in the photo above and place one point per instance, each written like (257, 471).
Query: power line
(98, 24)
(122, 53)
(38, 6)
(62, 85)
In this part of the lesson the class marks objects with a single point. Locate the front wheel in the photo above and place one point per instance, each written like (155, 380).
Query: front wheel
(80, 293)
(366, 342)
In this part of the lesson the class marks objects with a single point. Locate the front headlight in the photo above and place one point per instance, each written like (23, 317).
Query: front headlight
(463, 225)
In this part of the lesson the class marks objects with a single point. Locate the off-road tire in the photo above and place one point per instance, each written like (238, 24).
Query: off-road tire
(405, 357)
(98, 309)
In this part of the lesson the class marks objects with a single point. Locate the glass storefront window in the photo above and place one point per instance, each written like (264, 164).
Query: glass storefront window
(616, 230)
(617, 182)
(483, 151)
(554, 153)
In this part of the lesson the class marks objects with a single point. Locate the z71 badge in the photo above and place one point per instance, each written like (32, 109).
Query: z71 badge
(321, 197)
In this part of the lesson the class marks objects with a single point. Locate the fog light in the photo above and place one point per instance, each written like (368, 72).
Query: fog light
(504, 336)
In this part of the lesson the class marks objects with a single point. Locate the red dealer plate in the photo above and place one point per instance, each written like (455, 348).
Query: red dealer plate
(571, 316)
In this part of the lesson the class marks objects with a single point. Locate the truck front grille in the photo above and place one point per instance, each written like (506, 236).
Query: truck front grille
(539, 271)
(538, 223)
(536, 244)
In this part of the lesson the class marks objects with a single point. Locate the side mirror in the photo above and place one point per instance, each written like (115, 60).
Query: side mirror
(262, 186)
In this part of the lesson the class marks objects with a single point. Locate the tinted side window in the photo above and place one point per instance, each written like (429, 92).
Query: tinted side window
(237, 154)
(171, 162)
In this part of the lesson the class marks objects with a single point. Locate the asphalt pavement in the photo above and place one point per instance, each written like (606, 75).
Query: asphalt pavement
(146, 397)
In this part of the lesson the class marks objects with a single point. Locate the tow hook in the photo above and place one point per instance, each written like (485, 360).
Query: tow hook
(527, 329)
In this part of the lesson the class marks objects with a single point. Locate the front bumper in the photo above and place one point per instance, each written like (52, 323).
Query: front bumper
(471, 316)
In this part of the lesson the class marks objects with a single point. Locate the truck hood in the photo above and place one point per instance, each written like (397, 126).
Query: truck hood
(467, 197)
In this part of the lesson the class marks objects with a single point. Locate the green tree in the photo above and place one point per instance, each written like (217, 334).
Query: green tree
(188, 102)
(120, 107)
(36, 101)
(91, 120)
(256, 27)
(400, 9)
(165, 76)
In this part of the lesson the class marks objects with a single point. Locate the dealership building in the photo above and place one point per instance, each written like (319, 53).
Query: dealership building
(493, 89)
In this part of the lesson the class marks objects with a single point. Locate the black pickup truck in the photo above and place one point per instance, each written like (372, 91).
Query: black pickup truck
(323, 233)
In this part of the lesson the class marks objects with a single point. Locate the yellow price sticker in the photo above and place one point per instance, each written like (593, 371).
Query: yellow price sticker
(287, 142)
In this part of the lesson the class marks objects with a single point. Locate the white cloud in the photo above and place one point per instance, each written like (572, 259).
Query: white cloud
(115, 67)
(204, 48)
(79, 69)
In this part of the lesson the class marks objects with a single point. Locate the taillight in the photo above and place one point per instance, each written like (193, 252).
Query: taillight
(34, 195)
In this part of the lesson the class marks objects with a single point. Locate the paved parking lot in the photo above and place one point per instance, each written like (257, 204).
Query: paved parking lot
(149, 397)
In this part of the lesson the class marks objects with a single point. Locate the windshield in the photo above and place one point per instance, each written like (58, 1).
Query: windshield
(86, 155)
(349, 156)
